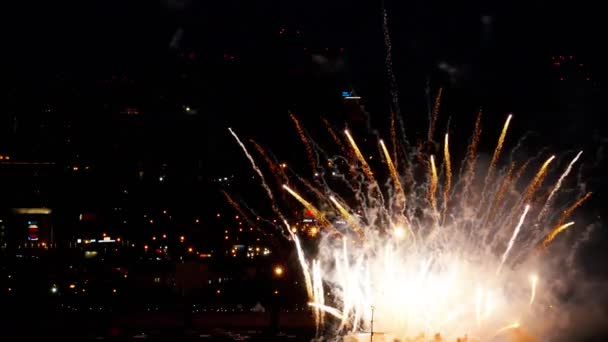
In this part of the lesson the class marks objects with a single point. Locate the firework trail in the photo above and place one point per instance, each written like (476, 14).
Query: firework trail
(303, 264)
(238, 208)
(302, 134)
(471, 158)
(433, 185)
(434, 115)
(360, 157)
(538, 179)
(500, 194)
(335, 137)
(315, 212)
(555, 232)
(276, 170)
(394, 139)
(257, 170)
(560, 226)
(448, 176)
(512, 240)
(389, 64)
(348, 217)
(496, 154)
(566, 213)
(549, 200)
(395, 176)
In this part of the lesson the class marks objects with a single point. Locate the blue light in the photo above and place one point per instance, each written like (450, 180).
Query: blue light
(345, 94)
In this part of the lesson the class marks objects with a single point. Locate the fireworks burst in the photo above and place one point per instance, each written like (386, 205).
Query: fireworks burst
(455, 269)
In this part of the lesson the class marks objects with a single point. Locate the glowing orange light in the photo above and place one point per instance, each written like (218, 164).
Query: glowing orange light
(72, 286)
(278, 271)
(190, 249)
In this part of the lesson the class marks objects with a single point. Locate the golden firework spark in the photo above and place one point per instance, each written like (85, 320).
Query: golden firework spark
(315, 212)
(566, 213)
(348, 217)
(335, 137)
(360, 157)
(276, 170)
(400, 195)
(302, 134)
(498, 149)
(433, 185)
(471, 157)
(434, 115)
(537, 180)
(555, 232)
(448, 176)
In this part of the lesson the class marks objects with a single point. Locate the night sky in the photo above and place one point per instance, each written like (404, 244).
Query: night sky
(494, 56)
(299, 57)
(248, 64)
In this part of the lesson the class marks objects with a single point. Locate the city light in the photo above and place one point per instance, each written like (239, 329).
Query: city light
(278, 271)
(72, 286)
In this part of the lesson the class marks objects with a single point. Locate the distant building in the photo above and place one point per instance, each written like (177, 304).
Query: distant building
(26, 228)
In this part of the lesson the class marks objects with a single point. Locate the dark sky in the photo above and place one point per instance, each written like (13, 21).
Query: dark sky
(499, 53)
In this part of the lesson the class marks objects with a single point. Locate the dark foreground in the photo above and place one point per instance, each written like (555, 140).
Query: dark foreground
(151, 326)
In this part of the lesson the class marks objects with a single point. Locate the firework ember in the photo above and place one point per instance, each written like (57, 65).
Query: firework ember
(399, 264)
